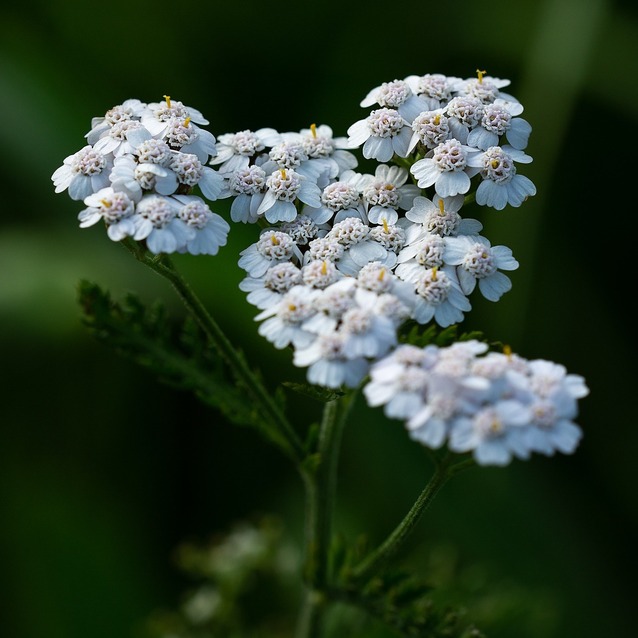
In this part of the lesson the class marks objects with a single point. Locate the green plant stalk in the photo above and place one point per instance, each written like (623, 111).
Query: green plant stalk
(378, 558)
(281, 429)
(320, 479)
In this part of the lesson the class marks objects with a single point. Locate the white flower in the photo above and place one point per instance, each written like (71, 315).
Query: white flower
(553, 426)
(157, 222)
(439, 216)
(341, 199)
(463, 114)
(211, 230)
(359, 248)
(478, 261)
(319, 144)
(323, 248)
(484, 87)
(249, 187)
(494, 433)
(498, 120)
(430, 129)
(272, 248)
(331, 304)
(181, 134)
(291, 153)
(375, 279)
(136, 179)
(400, 386)
(548, 378)
(128, 110)
(390, 306)
(157, 116)
(423, 254)
(383, 133)
(447, 168)
(390, 236)
(116, 209)
(387, 192)
(191, 172)
(430, 425)
(122, 138)
(303, 229)
(439, 297)
(501, 184)
(236, 150)
(283, 325)
(396, 95)
(327, 363)
(267, 290)
(320, 273)
(152, 151)
(434, 88)
(83, 173)
(284, 187)
(367, 334)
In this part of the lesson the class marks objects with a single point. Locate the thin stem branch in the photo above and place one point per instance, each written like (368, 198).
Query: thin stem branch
(280, 428)
(320, 480)
(375, 561)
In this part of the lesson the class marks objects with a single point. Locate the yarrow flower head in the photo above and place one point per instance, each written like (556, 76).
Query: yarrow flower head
(347, 258)
(142, 160)
(486, 403)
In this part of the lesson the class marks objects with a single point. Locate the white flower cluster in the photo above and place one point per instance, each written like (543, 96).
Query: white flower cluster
(344, 258)
(456, 129)
(495, 405)
(328, 227)
(137, 173)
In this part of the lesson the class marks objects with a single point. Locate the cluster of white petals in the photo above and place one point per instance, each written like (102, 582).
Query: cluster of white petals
(496, 405)
(346, 259)
(324, 224)
(450, 130)
(137, 174)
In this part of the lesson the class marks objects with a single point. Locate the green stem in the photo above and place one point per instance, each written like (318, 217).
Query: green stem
(310, 618)
(280, 428)
(320, 481)
(375, 561)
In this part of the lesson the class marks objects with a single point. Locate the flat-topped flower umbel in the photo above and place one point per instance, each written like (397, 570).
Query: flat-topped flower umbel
(345, 259)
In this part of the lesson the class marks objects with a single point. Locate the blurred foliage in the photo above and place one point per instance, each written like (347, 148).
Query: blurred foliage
(104, 472)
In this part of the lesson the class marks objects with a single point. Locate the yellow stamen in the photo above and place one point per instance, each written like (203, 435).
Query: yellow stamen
(324, 268)
(484, 255)
(386, 228)
(480, 75)
(437, 119)
(494, 164)
(442, 207)
(274, 240)
(292, 307)
(507, 351)
(495, 426)
(187, 121)
(381, 274)
(313, 130)
(168, 100)
(283, 173)
(106, 203)
(434, 271)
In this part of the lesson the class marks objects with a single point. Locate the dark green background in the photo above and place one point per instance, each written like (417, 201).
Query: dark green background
(103, 472)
